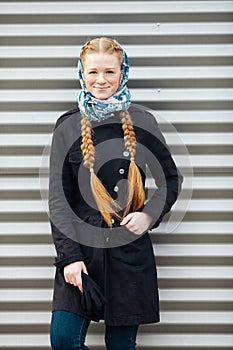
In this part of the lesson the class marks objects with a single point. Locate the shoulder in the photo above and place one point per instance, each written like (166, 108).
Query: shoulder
(75, 113)
(142, 116)
(145, 124)
(67, 129)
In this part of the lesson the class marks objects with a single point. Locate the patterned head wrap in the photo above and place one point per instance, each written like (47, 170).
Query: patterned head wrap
(97, 110)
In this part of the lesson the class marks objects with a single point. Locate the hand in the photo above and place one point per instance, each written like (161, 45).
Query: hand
(137, 222)
(72, 274)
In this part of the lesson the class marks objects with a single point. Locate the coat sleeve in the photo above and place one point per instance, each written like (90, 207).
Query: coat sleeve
(61, 190)
(168, 178)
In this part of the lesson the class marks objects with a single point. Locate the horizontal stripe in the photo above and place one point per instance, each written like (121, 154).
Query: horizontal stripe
(70, 95)
(188, 138)
(123, 29)
(101, 7)
(181, 295)
(194, 317)
(194, 228)
(147, 340)
(140, 73)
(196, 183)
(164, 272)
(134, 51)
(196, 205)
(177, 117)
(197, 161)
(182, 250)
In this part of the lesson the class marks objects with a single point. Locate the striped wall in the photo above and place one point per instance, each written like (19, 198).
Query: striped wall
(181, 58)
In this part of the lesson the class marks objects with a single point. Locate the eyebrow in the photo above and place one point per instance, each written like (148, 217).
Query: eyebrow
(104, 68)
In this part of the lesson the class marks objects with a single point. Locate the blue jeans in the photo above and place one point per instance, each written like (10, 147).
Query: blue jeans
(68, 331)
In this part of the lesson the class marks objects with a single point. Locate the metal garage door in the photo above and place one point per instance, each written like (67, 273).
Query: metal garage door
(181, 58)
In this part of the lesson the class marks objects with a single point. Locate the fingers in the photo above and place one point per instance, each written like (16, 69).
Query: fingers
(84, 269)
(137, 222)
(74, 279)
(126, 219)
(72, 274)
(130, 223)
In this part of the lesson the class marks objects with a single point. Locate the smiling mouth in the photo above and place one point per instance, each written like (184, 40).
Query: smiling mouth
(101, 88)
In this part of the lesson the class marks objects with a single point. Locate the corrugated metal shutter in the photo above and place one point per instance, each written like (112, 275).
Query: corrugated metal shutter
(181, 57)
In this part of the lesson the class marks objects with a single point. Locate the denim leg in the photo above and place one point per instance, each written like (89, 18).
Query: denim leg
(68, 331)
(121, 337)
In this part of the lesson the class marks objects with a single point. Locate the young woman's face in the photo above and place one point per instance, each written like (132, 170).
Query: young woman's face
(102, 73)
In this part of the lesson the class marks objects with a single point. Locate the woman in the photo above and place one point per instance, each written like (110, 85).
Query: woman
(99, 214)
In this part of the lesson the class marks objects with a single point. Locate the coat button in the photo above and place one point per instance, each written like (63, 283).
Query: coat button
(116, 189)
(121, 171)
(125, 153)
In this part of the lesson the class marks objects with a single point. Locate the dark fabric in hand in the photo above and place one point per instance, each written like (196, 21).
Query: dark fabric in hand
(92, 299)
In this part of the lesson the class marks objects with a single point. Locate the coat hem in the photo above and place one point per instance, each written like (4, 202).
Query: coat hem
(121, 321)
(133, 321)
(115, 321)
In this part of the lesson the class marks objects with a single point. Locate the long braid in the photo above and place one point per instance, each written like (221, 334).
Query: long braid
(136, 194)
(106, 204)
(87, 147)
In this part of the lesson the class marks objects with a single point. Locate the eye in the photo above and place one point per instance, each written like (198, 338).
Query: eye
(110, 72)
(92, 72)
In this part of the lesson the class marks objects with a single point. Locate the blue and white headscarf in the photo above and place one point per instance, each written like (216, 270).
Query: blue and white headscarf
(97, 110)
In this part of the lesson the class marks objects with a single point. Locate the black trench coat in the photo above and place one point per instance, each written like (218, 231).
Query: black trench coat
(126, 272)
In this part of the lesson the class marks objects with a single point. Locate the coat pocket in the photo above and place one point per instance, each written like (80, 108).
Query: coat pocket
(132, 254)
(75, 156)
(80, 173)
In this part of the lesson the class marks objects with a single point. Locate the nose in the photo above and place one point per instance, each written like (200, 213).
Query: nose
(100, 78)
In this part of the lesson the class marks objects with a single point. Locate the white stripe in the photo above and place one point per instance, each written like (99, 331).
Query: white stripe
(195, 205)
(196, 183)
(181, 295)
(162, 116)
(164, 272)
(102, 7)
(70, 95)
(123, 29)
(187, 138)
(187, 228)
(181, 250)
(55, 51)
(197, 161)
(193, 317)
(145, 340)
(140, 73)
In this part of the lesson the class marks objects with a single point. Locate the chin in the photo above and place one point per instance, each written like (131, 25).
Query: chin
(101, 97)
